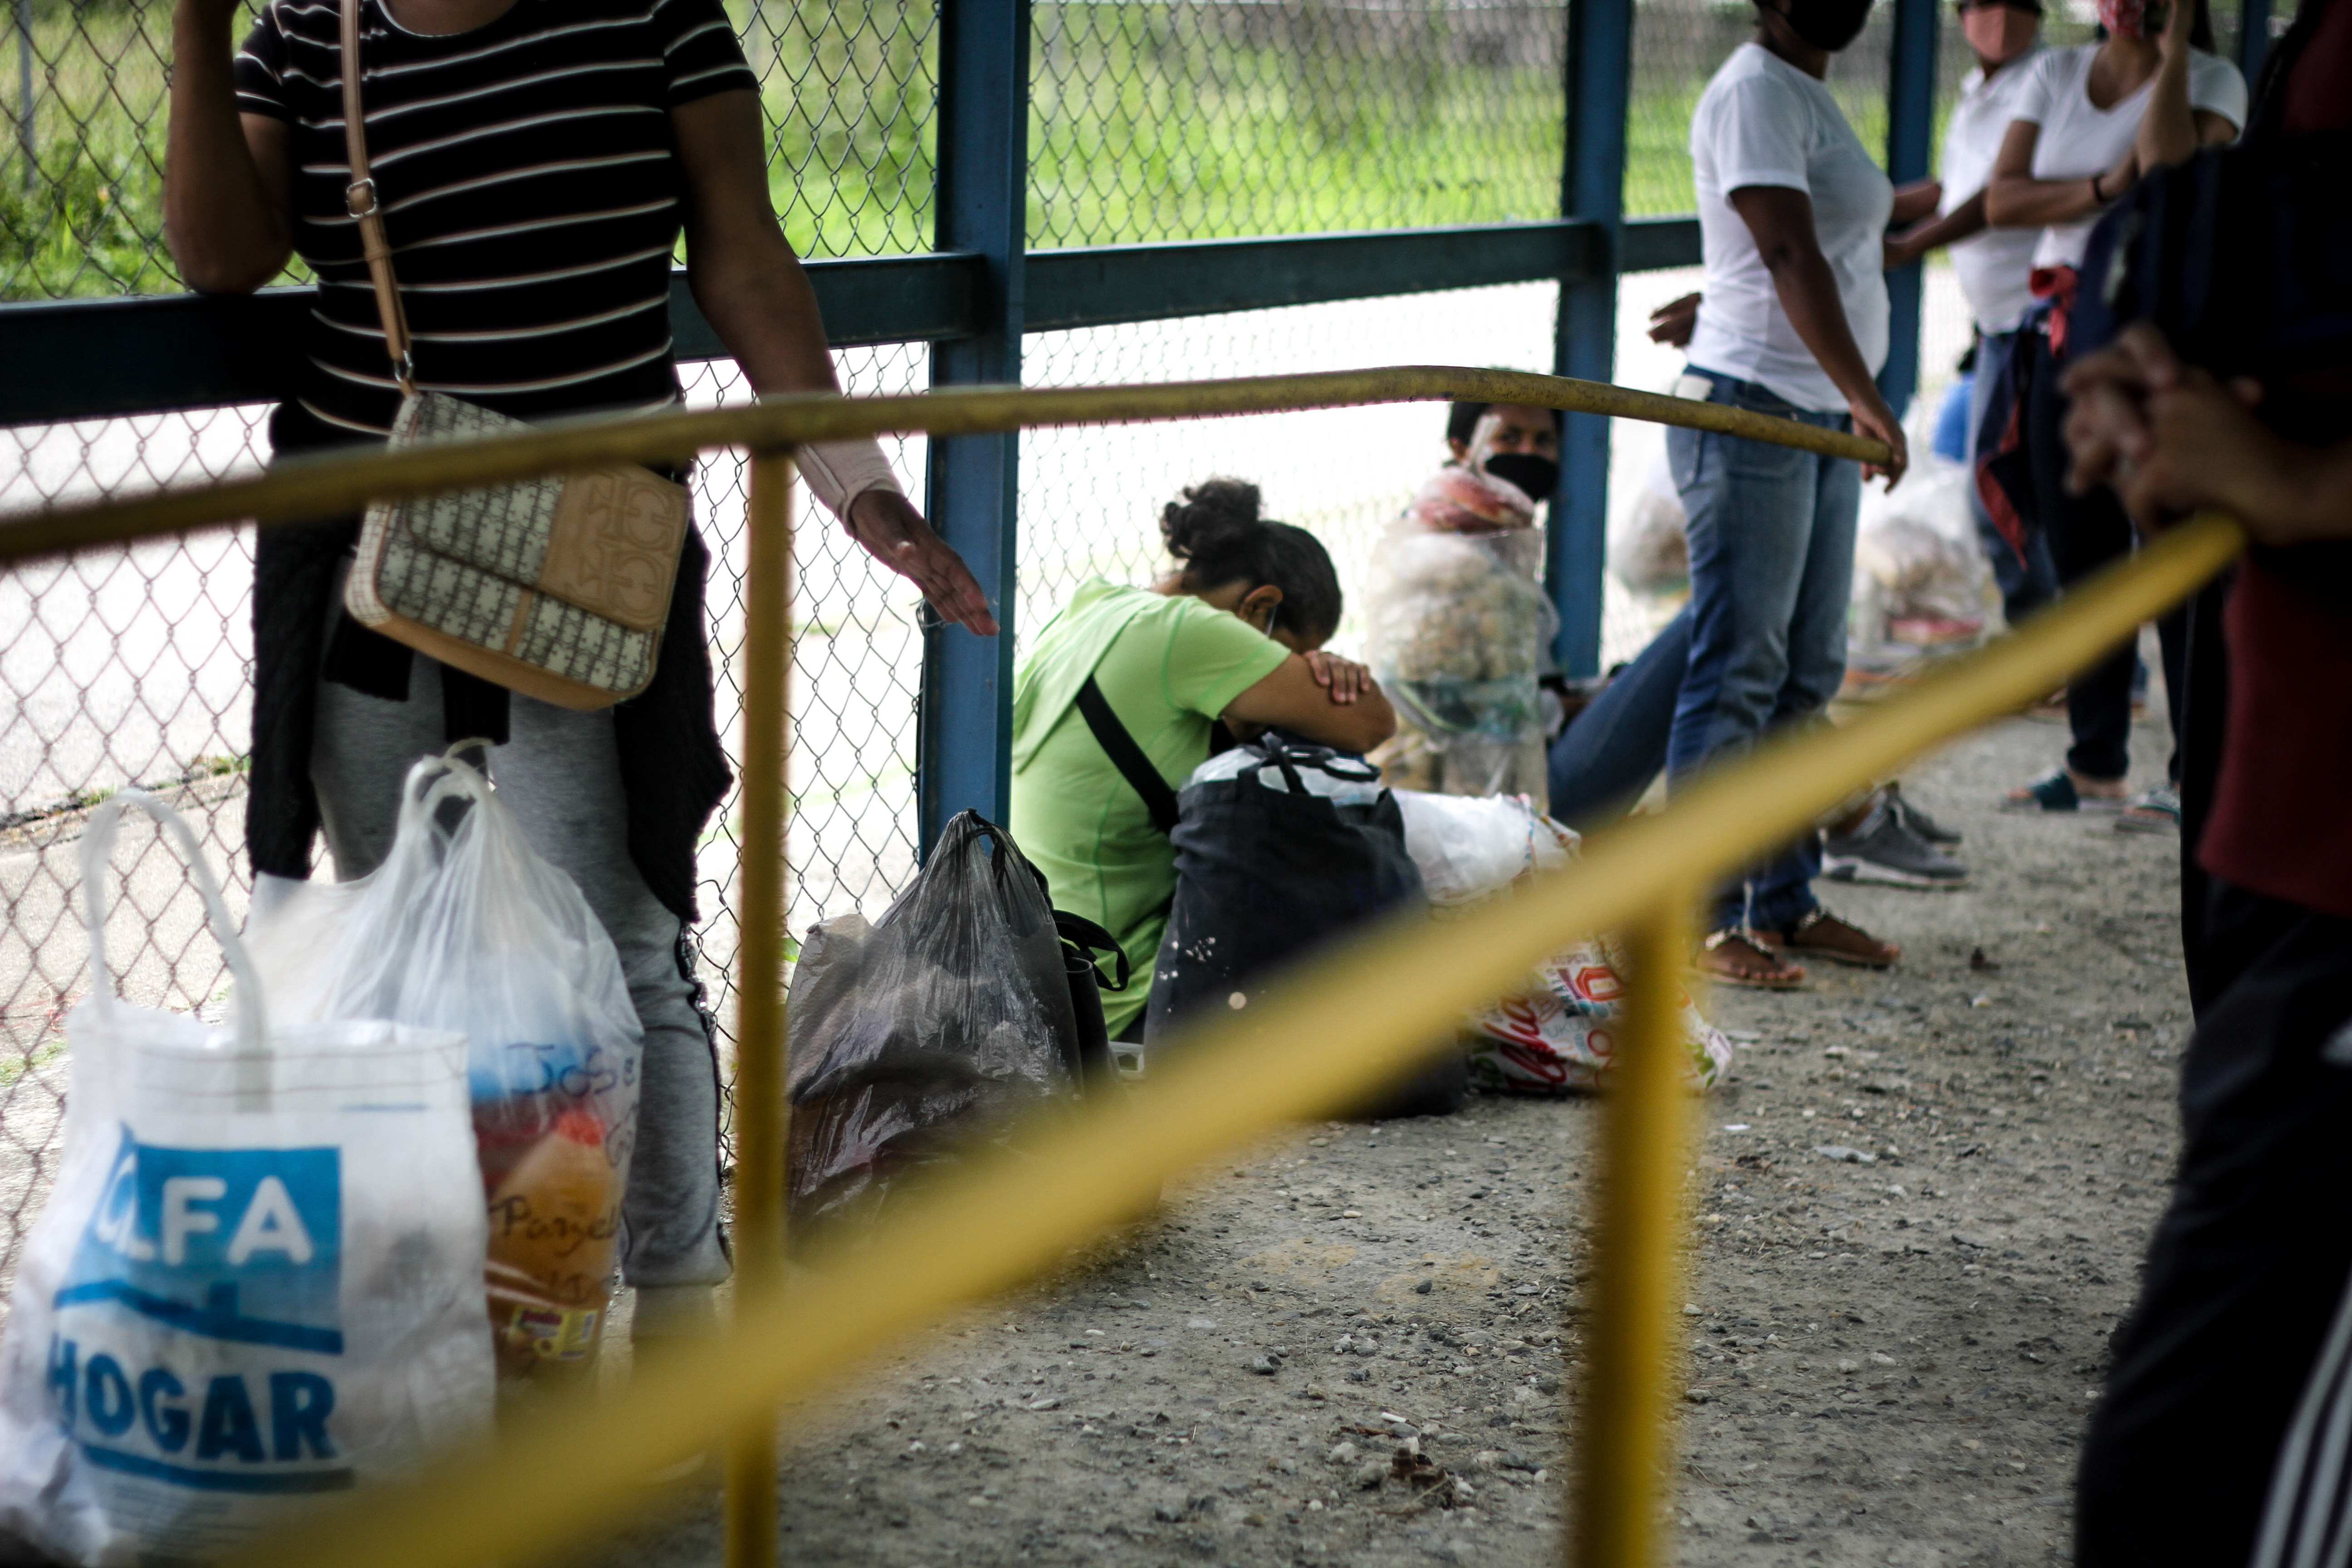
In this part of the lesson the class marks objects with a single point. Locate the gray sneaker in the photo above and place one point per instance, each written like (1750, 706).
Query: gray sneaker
(1908, 814)
(1883, 850)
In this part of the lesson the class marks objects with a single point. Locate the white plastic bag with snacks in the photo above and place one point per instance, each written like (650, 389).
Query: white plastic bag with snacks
(1469, 846)
(465, 927)
(1560, 1036)
(257, 1281)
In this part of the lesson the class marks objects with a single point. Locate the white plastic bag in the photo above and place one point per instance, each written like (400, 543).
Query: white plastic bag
(1456, 627)
(1649, 549)
(1467, 847)
(257, 1281)
(1559, 1035)
(465, 927)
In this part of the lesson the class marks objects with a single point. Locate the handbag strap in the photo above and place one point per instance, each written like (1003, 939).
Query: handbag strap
(361, 201)
(1127, 756)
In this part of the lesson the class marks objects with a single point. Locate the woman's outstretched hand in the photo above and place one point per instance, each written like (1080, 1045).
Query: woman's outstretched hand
(888, 528)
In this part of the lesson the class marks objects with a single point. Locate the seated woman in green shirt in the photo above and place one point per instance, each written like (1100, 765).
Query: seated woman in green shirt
(1234, 633)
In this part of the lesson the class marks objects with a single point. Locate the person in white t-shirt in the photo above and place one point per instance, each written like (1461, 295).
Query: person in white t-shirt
(1793, 214)
(1993, 265)
(2088, 120)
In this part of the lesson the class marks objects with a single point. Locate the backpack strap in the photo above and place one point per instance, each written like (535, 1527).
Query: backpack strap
(1127, 756)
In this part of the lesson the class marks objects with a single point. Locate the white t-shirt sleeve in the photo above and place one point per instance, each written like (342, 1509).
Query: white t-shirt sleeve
(2032, 100)
(1761, 135)
(2217, 87)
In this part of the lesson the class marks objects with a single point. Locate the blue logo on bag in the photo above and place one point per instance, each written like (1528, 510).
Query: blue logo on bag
(237, 1246)
(243, 1245)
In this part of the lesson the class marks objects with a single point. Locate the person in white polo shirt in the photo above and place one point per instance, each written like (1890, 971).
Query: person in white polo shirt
(1793, 213)
(1993, 265)
(2087, 122)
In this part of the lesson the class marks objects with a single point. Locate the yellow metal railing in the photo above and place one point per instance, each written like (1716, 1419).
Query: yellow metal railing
(1346, 1021)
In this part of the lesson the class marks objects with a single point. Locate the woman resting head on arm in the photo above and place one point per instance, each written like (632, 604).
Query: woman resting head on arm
(1279, 579)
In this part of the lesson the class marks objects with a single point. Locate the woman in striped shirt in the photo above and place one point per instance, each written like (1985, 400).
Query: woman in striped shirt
(536, 161)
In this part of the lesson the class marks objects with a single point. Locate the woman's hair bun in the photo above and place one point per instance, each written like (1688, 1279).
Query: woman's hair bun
(1219, 532)
(1213, 518)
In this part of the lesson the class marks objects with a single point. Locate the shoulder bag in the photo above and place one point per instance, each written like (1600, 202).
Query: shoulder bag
(558, 588)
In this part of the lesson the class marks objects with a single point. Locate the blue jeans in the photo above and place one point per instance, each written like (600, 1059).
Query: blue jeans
(1602, 761)
(1771, 551)
(2025, 585)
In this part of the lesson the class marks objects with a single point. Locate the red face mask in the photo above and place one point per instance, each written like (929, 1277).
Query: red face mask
(2124, 18)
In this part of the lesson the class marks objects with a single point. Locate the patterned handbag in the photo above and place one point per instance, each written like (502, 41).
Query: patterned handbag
(557, 587)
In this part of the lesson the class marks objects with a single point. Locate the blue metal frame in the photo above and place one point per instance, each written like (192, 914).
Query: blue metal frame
(1910, 128)
(2253, 39)
(88, 359)
(964, 742)
(1592, 188)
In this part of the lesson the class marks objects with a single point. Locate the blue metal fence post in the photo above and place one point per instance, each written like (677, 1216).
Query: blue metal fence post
(1592, 186)
(2253, 39)
(964, 734)
(1910, 128)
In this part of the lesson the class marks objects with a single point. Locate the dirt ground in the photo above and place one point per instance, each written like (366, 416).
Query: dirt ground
(1890, 1363)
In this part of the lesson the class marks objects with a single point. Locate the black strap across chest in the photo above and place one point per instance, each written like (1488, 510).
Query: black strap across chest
(1127, 756)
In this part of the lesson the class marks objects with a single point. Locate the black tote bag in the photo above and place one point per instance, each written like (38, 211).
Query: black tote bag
(1265, 876)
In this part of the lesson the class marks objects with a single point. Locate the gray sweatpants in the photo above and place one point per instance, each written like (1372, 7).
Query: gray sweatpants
(560, 774)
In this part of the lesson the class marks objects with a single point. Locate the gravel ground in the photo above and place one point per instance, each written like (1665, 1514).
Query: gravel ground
(1350, 1345)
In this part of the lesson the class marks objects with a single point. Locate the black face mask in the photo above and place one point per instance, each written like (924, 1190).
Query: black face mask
(1537, 476)
(1829, 24)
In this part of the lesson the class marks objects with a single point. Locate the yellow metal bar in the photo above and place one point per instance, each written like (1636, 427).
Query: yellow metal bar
(760, 1107)
(1625, 1432)
(329, 486)
(1342, 1023)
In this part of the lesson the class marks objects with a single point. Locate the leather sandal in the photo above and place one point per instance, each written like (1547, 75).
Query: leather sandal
(1822, 934)
(1734, 957)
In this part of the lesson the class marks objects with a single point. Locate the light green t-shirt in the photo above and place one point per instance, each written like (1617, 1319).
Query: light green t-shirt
(1168, 665)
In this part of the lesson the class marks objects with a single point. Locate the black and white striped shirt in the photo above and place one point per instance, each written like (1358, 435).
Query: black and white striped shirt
(530, 192)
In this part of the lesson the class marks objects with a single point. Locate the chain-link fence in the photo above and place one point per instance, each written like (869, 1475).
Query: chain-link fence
(1150, 121)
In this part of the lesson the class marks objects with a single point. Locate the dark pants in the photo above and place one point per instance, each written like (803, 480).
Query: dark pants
(2204, 700)
(1608, 756)
(2248, 1264)
(2087, 532)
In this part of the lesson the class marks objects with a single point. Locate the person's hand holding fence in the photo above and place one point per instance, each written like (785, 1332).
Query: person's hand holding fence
(2171, 438)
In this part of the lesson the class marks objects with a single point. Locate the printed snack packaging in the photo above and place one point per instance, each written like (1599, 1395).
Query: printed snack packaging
(257, 1282)
(465, 927)
(1559, 1035)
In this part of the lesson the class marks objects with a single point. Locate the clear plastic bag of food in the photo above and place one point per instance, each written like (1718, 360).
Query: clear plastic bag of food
(1456, 627)
(465, 927)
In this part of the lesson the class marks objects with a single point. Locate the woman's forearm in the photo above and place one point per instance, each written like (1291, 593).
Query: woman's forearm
(2021, 201)
(227, 233)
(2168, 131)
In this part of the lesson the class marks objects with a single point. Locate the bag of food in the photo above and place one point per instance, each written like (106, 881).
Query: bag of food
(1268, 868)
(1649, 548)
(931, 1031)
(1559, 1035)
(1467, 848)
(465, 927)
(257, 1282)
(1456, 626)
(1922, 585)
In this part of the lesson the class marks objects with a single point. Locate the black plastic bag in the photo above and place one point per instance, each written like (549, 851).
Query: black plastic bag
(1268, 871)
(933, 1031)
